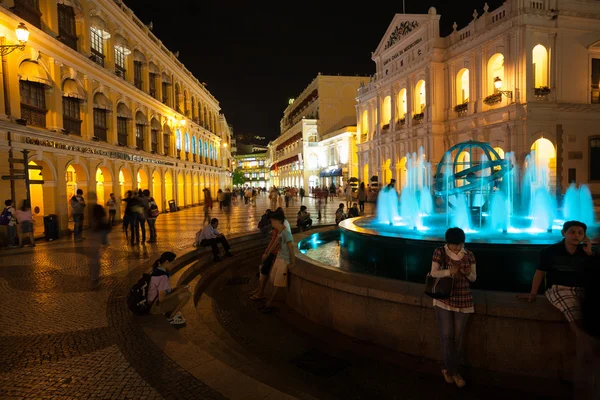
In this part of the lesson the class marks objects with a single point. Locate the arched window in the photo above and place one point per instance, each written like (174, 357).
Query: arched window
(540, 66)
(187, 142)
(386, 111)
(495, 70)
(420, 97)
(206, 149)
(199, 147)
(211, 152)
(193, 144)
(364, 122)
(462, 86)
(178, 139)
(402, 106)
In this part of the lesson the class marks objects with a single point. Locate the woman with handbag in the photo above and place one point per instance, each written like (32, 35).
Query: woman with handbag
(452, 313)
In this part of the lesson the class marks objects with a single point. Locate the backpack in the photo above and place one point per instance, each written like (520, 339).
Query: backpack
(137, 300)
(153, 210)
(5, 217)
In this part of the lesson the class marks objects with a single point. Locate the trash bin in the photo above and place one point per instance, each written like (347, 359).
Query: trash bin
(51, 231)
(172, 206)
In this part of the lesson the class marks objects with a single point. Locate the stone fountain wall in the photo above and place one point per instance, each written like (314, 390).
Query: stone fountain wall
(504, 335)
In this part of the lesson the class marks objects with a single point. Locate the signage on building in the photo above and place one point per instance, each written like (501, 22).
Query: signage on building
(404, 50)
(88, 150)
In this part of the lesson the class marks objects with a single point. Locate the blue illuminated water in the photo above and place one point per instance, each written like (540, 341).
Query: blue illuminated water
(519, 207)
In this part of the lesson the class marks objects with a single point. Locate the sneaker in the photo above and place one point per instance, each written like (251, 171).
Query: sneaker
(460, 382)
(176, 321)
(447, 377)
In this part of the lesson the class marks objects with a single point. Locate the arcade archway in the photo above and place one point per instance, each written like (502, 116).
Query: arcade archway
(180, 190)
(157, 190)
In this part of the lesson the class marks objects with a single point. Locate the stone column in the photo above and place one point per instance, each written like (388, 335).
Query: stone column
(88, 107)
(61, 200)
(54, 119)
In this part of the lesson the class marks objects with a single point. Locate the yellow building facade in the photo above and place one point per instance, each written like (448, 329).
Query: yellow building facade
(523, 77)
(103, 106)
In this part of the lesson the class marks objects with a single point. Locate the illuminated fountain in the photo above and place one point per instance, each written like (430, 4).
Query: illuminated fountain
(508, 214)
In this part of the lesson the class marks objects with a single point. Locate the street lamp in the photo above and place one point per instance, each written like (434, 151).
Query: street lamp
(5, 49)
(498, 85)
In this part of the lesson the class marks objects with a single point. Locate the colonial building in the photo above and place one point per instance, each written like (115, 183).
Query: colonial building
(102, 105)
(326, 108)
(254, 167)
(523, 77)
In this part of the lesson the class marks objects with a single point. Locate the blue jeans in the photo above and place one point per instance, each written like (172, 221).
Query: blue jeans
(151, 222)
(77, 225)
(452, 328)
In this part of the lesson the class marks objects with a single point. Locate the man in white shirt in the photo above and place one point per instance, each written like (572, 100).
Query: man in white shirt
(210, 236)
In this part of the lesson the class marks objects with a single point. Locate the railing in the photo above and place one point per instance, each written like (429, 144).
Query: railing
(461, 109)
(166, 150)
(139, 142)
(72, 125)
(67, 39)
(97, 57)
(122, 139)
(33, 115)
(139, 84)
(100, 133)
(179, 154)
(119, 71)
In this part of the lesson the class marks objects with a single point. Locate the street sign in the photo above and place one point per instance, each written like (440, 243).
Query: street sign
(38, 167)
(12, 177)
(16, 160)
(17, 171)
(36, 182)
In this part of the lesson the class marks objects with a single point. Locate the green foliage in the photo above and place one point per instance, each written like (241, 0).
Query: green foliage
(238, 177)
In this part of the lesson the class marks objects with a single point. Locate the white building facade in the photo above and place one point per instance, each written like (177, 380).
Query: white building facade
(522, 77)
(318, 135)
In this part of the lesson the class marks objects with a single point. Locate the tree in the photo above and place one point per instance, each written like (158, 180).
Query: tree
(238, 178)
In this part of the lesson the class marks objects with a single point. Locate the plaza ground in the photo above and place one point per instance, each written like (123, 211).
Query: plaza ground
(62, 340)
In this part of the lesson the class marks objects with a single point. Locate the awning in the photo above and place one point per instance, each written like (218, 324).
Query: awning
(274, 167)
(75, 4)
(102, 102)
(99, 25)
(166, 78)
(140, 119)
(138, 56)
(72, 89)
(121, 43)
(331, 172)
(33, 72)
(153, 69)
(123, 111)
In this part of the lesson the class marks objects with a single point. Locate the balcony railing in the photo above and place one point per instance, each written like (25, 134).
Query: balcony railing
(461, 109)
(100, 133)
(179, 154)
(166, 150)
(154, 147)
(138, 84)
(97, 57)
(72, 125)
(122, 139)
(33, 115)
(139, 142)
(67, 39)
(120, 71)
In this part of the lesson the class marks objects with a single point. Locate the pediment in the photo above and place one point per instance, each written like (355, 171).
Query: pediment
(401, 27)
(595, 46)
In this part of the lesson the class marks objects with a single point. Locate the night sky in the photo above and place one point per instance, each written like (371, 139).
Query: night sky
(254, 58)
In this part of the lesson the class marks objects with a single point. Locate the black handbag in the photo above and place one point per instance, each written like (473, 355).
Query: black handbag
(439, 288)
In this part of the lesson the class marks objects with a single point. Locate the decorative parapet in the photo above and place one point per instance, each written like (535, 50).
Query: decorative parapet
(418, 118)
(401, 122)
(385, 127)
(542, 92)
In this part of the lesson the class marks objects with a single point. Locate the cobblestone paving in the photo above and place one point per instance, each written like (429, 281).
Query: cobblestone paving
(62, 340)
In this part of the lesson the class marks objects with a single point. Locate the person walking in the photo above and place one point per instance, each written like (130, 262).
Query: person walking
(153, 212)
(135, 209)
(348, 194)
(11, 224)
(25, 220)
(452, 314)
(207, 206)
(99, 229)
(127, 213)
(111, 203)
(220, 198)
(77, 210)
(143, 215)
(302, 193)
(340, 215)
(273, 196)
(362, 197)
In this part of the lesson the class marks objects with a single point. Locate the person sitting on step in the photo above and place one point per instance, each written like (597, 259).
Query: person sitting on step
(164, 299)
(210, 236)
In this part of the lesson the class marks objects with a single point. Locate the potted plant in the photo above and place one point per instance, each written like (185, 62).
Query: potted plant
(462, 108)
(542, 91)
(493, 99)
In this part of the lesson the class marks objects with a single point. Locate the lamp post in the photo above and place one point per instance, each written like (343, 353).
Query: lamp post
(6, 49)
(498, 85)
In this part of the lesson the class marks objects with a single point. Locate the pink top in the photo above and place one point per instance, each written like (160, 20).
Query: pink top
(23, 216)
(157, 285)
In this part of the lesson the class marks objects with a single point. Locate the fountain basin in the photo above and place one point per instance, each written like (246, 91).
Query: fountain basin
(505, 261)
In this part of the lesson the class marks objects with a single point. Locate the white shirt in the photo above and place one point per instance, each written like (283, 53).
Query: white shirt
(208, 232)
